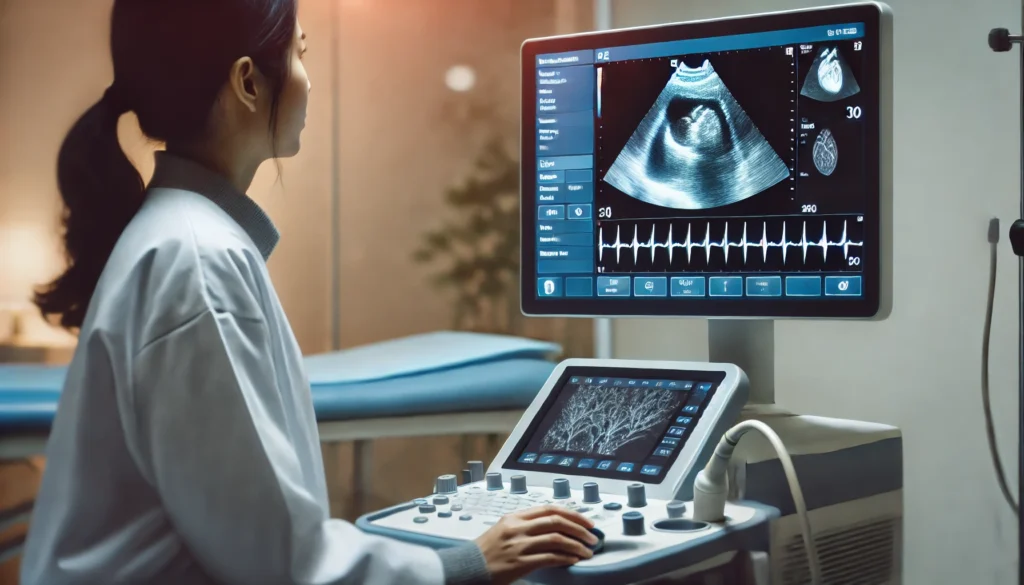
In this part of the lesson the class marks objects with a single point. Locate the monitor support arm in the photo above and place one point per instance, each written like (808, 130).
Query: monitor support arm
(1000, 40)
(749, 344)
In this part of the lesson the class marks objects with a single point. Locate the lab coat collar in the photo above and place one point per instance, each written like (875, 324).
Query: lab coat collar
(174, 172)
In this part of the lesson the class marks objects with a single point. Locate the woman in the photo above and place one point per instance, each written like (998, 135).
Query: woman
(185, 448)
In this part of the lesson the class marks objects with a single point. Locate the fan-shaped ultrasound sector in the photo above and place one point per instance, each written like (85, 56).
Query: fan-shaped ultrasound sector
(696, 148)
(830, 78)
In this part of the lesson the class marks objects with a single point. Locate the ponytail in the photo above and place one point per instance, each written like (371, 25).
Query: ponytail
(102, 192)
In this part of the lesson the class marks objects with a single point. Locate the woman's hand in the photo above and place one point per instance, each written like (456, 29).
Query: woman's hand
(545, 536)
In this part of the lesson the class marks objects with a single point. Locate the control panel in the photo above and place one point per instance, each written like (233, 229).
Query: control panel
(617, 441)
(634, 528)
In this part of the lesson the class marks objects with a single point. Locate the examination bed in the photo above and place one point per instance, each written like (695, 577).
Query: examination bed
(443, 383)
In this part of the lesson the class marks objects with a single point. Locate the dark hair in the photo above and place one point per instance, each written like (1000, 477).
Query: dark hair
(171, 59)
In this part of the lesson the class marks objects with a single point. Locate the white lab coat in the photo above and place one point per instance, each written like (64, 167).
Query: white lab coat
(185, 447)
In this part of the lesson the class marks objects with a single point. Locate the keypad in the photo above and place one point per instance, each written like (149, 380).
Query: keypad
(493, 503)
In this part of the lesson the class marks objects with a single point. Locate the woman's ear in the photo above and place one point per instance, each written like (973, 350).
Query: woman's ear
(242, 81)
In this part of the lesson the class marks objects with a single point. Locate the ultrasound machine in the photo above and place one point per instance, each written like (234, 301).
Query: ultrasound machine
(737, 170)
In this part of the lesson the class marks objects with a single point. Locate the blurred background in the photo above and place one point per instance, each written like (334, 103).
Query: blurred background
(413, 126)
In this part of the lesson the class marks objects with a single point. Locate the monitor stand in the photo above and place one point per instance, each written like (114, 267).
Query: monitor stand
(749, 344)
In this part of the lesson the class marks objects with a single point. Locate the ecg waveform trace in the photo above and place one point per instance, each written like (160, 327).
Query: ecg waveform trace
(705, 241)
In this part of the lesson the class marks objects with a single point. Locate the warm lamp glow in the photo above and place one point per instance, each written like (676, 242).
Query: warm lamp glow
(460, 78)
(27, 259)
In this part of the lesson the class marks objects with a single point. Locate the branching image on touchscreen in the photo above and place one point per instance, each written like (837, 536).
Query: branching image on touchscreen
(614, 427)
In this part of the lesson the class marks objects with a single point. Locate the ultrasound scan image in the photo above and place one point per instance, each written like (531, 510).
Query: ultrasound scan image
(696, 148)
(825, 153)
(600, 421)
(830, 78)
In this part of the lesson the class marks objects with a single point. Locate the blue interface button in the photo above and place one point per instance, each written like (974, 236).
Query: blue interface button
(579, 176)
(549, 287)
(691, 409)
(670, 441)
(613, 286)
(548, 193)
(764, 286)
(546, 459)
(579, 211)
(688, 286)
(680, 385)
(562, 163)
(625, 467)
(803, 286)
(663, 452)
(650, 286)
(528, 458)
(586, 463)
(565, 259)
(551, 177)
(650, 470)
(579, 192)
(566, 462)
(676, 431)
(842, 286)
(578, 239)
(704, 387)
(579, 286)
(684, 420)
(725, 286)
(554, 228)
(550, 212)
(605, 465)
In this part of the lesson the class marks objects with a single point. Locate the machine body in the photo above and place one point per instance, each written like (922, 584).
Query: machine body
(619, 441)
(735, 169)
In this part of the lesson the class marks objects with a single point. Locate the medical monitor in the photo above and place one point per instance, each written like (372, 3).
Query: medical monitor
(733, 167)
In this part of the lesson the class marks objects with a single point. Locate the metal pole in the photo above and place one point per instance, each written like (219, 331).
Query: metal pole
(603, 342)
(1020, 336)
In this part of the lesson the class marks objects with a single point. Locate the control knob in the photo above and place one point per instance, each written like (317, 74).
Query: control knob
(518, 484)
(675, 509)
(447, 484)
(591, 494)
(637, 495)
(476, 470)
(633, 524)
(561, 487)
(494, 481)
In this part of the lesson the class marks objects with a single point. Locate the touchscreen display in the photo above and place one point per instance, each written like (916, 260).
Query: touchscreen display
(628, 425)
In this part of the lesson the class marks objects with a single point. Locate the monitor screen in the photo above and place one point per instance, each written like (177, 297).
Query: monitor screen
(715, 168)
(613, 423)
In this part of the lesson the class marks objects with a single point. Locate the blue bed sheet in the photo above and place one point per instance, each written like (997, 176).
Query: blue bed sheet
(421, 354)
(442, 372)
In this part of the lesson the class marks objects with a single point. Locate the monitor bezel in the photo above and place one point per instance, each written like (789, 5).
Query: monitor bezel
(876, 300)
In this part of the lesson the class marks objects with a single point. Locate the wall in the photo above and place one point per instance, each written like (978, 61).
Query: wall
(54, 63)
(398, 153)
(401, 149)
(956, 166)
